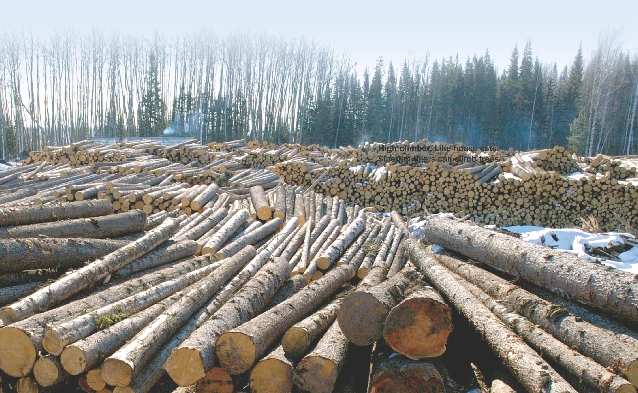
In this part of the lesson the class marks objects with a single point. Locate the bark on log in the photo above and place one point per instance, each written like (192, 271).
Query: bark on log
(224, 233)
(605, 347)
(161, 255)
(195, 356)
(13, 293)
(238, 349)
(522, 361)
(347, 236)
(16, 196)
(289, 288)
(205, 196)
(583, 368)
(76, 281)
(419, 326)
(252, 237)
(98, 227)
(21, 341)
(390, 374)
(610, 290)
(273, 373)
(260, 202)
(280, 202)
(206, 225)
(364, 312)
(121, 368)
(318, 371)
(42, 253)
(298, 339)
(14, 216)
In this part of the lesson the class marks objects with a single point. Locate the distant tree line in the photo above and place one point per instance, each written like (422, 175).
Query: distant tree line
(67, 87)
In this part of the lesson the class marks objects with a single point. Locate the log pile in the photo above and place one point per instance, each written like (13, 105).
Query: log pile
(78, 154)
(612, 168)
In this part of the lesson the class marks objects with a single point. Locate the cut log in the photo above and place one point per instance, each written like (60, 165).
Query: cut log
(280, 202)
(419, 326)
(94, 379)
(16, 196)
(48, 371)
(298, 339)
(318, 371)
(29, 385)
(260, 202)
(13, 216)
(43, 253)
(59, 335)
(273, 373)
(347, 236)
(205, 196)
(98, 227)
(238, 349)
(584, 369)
(289, 288)
(91, 273)
(209, 222)
(13, 293)
(363, 312)
(609, 290)
(599, 344)
(161, 255)
(217, 380)
(224, 233)
(20, 342)
(195, 356)
(252, 237)
(522, 361)
(121, 368)
(391, 373)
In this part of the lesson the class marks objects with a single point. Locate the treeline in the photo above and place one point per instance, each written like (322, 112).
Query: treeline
(67, 87)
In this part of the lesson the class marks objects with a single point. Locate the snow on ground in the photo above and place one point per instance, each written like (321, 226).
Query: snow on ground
(573, 240)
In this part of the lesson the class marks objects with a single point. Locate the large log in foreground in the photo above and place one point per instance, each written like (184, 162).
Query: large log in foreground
(523, 362)
(10, 216)
(611, 290)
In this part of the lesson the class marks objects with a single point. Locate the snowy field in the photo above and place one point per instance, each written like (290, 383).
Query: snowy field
(619, 250)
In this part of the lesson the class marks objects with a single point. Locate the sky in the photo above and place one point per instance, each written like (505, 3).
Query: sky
(364, 30)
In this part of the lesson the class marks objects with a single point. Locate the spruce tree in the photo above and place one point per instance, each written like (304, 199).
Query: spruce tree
(151, 114)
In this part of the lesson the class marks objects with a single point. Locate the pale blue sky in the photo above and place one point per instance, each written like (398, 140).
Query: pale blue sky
(395, 29)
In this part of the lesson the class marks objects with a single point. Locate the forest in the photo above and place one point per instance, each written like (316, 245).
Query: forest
(66, 86)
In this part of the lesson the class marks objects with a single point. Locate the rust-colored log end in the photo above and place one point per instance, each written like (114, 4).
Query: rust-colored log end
(217, 380)
(414, 378)
(185, 366)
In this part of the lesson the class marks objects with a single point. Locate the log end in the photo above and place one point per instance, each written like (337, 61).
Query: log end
(207, 251)
(94, 380)
(236, 352)
(271, 375)
(52, 342)
(631, 373)
(45, 372)
(118, 389)
(8, 315)
(185, 366)
(418, 328)
(296, 342)
(27, 385)
(412, 377)
(264, 213)
(323, 263)
(17, 352)
(317, 374)
(216, 380)
(625, 388)
(116, 372)
(279, 214)
(73, 360)
(361, 318)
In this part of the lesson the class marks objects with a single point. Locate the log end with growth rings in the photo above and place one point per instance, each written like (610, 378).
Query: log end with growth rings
(116, 372)
(361, 318)
(46, 372)
(236, 352)
(73, 360)
(185, 366)
(316, 374)
(271, 375)
(17, 352)
(418, 328)
(296, 342)
(8, 315)
(53, 343)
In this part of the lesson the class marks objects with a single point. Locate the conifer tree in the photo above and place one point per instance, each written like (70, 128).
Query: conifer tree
(151, 113)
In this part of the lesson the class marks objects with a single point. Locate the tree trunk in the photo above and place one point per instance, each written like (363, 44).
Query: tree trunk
(260, 202)
(195, 356)
(238, 349)
(121, 368)
(318, 371)
(43, 253)
(273, 373)
(524, 363)
(21, 341)
(611, 290)
(584, 369)
(364, 312)
(171, 251)
(13, 216)
(598, 343)
(76, 281)
(419, 326)
(298, 339)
